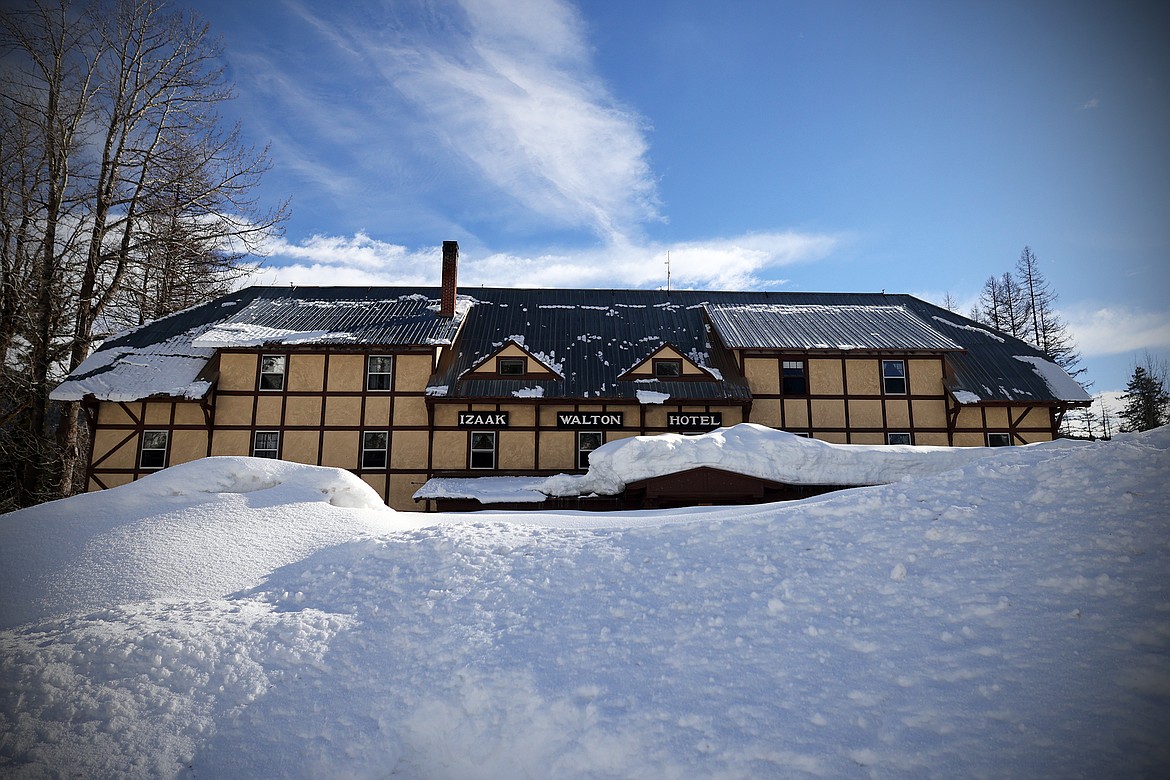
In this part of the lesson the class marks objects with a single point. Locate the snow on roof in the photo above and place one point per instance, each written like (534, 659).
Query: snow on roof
(231, 334)
(486, 490)
(762, 452)
(167, 357)
(124, 373)
(1063, 386)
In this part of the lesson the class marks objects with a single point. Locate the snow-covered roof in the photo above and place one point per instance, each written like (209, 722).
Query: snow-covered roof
(748, 449)
(589, 338)
(762, 452)
(169, 357)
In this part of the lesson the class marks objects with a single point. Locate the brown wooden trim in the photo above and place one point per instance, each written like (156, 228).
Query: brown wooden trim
(133, 432)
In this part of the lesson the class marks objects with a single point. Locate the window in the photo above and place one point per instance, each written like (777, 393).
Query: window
(794, 381)
(483, 449)
(999, 440)
(154, 449)
(667, 368)
(374, 445)
(272, 372)
(512, 366)
(894, 377)
(801, 434)
(587, 442)
(266, 444)
(898, 438)
(380, 372)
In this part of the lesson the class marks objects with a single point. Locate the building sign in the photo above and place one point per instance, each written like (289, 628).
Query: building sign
(483, 419)
(589, 419)
(694, 421)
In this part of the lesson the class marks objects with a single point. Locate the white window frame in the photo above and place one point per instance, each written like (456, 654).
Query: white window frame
(367, 450)
(143, 449)
(886, 378)
(582, 453)
(472, 450)
(274, 450)
(371, 374)
(282, 373)
(1006, 441)
(909, 438)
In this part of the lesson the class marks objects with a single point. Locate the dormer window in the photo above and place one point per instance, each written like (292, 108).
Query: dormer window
(667, 368)
(512, 366)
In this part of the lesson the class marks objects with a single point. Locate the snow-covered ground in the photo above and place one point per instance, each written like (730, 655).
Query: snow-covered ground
(234, 618)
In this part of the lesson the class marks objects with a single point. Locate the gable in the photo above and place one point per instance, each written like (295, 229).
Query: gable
(504, 361)
(647, 368)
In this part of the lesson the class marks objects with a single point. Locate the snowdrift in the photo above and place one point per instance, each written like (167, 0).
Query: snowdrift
(200, 529)
(1006, 618)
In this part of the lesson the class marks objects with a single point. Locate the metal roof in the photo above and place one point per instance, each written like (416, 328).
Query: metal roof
(591, 337)
(812, 327)
(336, 315)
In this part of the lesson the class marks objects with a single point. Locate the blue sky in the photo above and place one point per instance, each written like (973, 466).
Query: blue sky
(839, 146)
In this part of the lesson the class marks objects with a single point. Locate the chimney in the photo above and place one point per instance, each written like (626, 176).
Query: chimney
(450, 268)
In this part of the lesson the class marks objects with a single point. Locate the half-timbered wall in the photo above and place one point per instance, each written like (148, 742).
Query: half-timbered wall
(845, 401)
(325, 405)
(116, 456)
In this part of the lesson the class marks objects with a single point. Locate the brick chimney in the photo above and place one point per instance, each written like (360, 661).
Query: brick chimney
(450, 269)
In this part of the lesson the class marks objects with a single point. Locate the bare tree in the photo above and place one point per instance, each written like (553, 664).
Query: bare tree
(1002, 305)
(1044, 326)
(124, 196)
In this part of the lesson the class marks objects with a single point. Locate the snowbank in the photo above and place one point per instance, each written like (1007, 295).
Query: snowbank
(1007, 618)
(200, 529)
(766, 453)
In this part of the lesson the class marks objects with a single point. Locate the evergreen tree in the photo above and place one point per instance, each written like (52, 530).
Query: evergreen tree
(1146, 401)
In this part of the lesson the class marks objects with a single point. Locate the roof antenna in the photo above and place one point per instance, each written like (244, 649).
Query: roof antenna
(668, 270)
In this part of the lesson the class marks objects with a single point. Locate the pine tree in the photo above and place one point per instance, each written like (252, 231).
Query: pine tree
(1146, 401)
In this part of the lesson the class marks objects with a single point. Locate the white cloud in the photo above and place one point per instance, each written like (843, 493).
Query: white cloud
(495, 103)
(738, 263)
(1116, 330)
(1090, 104)
(519, 99)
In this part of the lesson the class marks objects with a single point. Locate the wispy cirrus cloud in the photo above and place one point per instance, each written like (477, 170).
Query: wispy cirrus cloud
(738, 263)
(486, 110)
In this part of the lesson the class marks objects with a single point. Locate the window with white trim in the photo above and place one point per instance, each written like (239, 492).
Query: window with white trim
(154, 449)
(999, 440)
(483, 449)
(898, 438)
(894, 377)
(374, 447)
(272, 369)
(266, 444)
(380, 372)
(587, 442)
